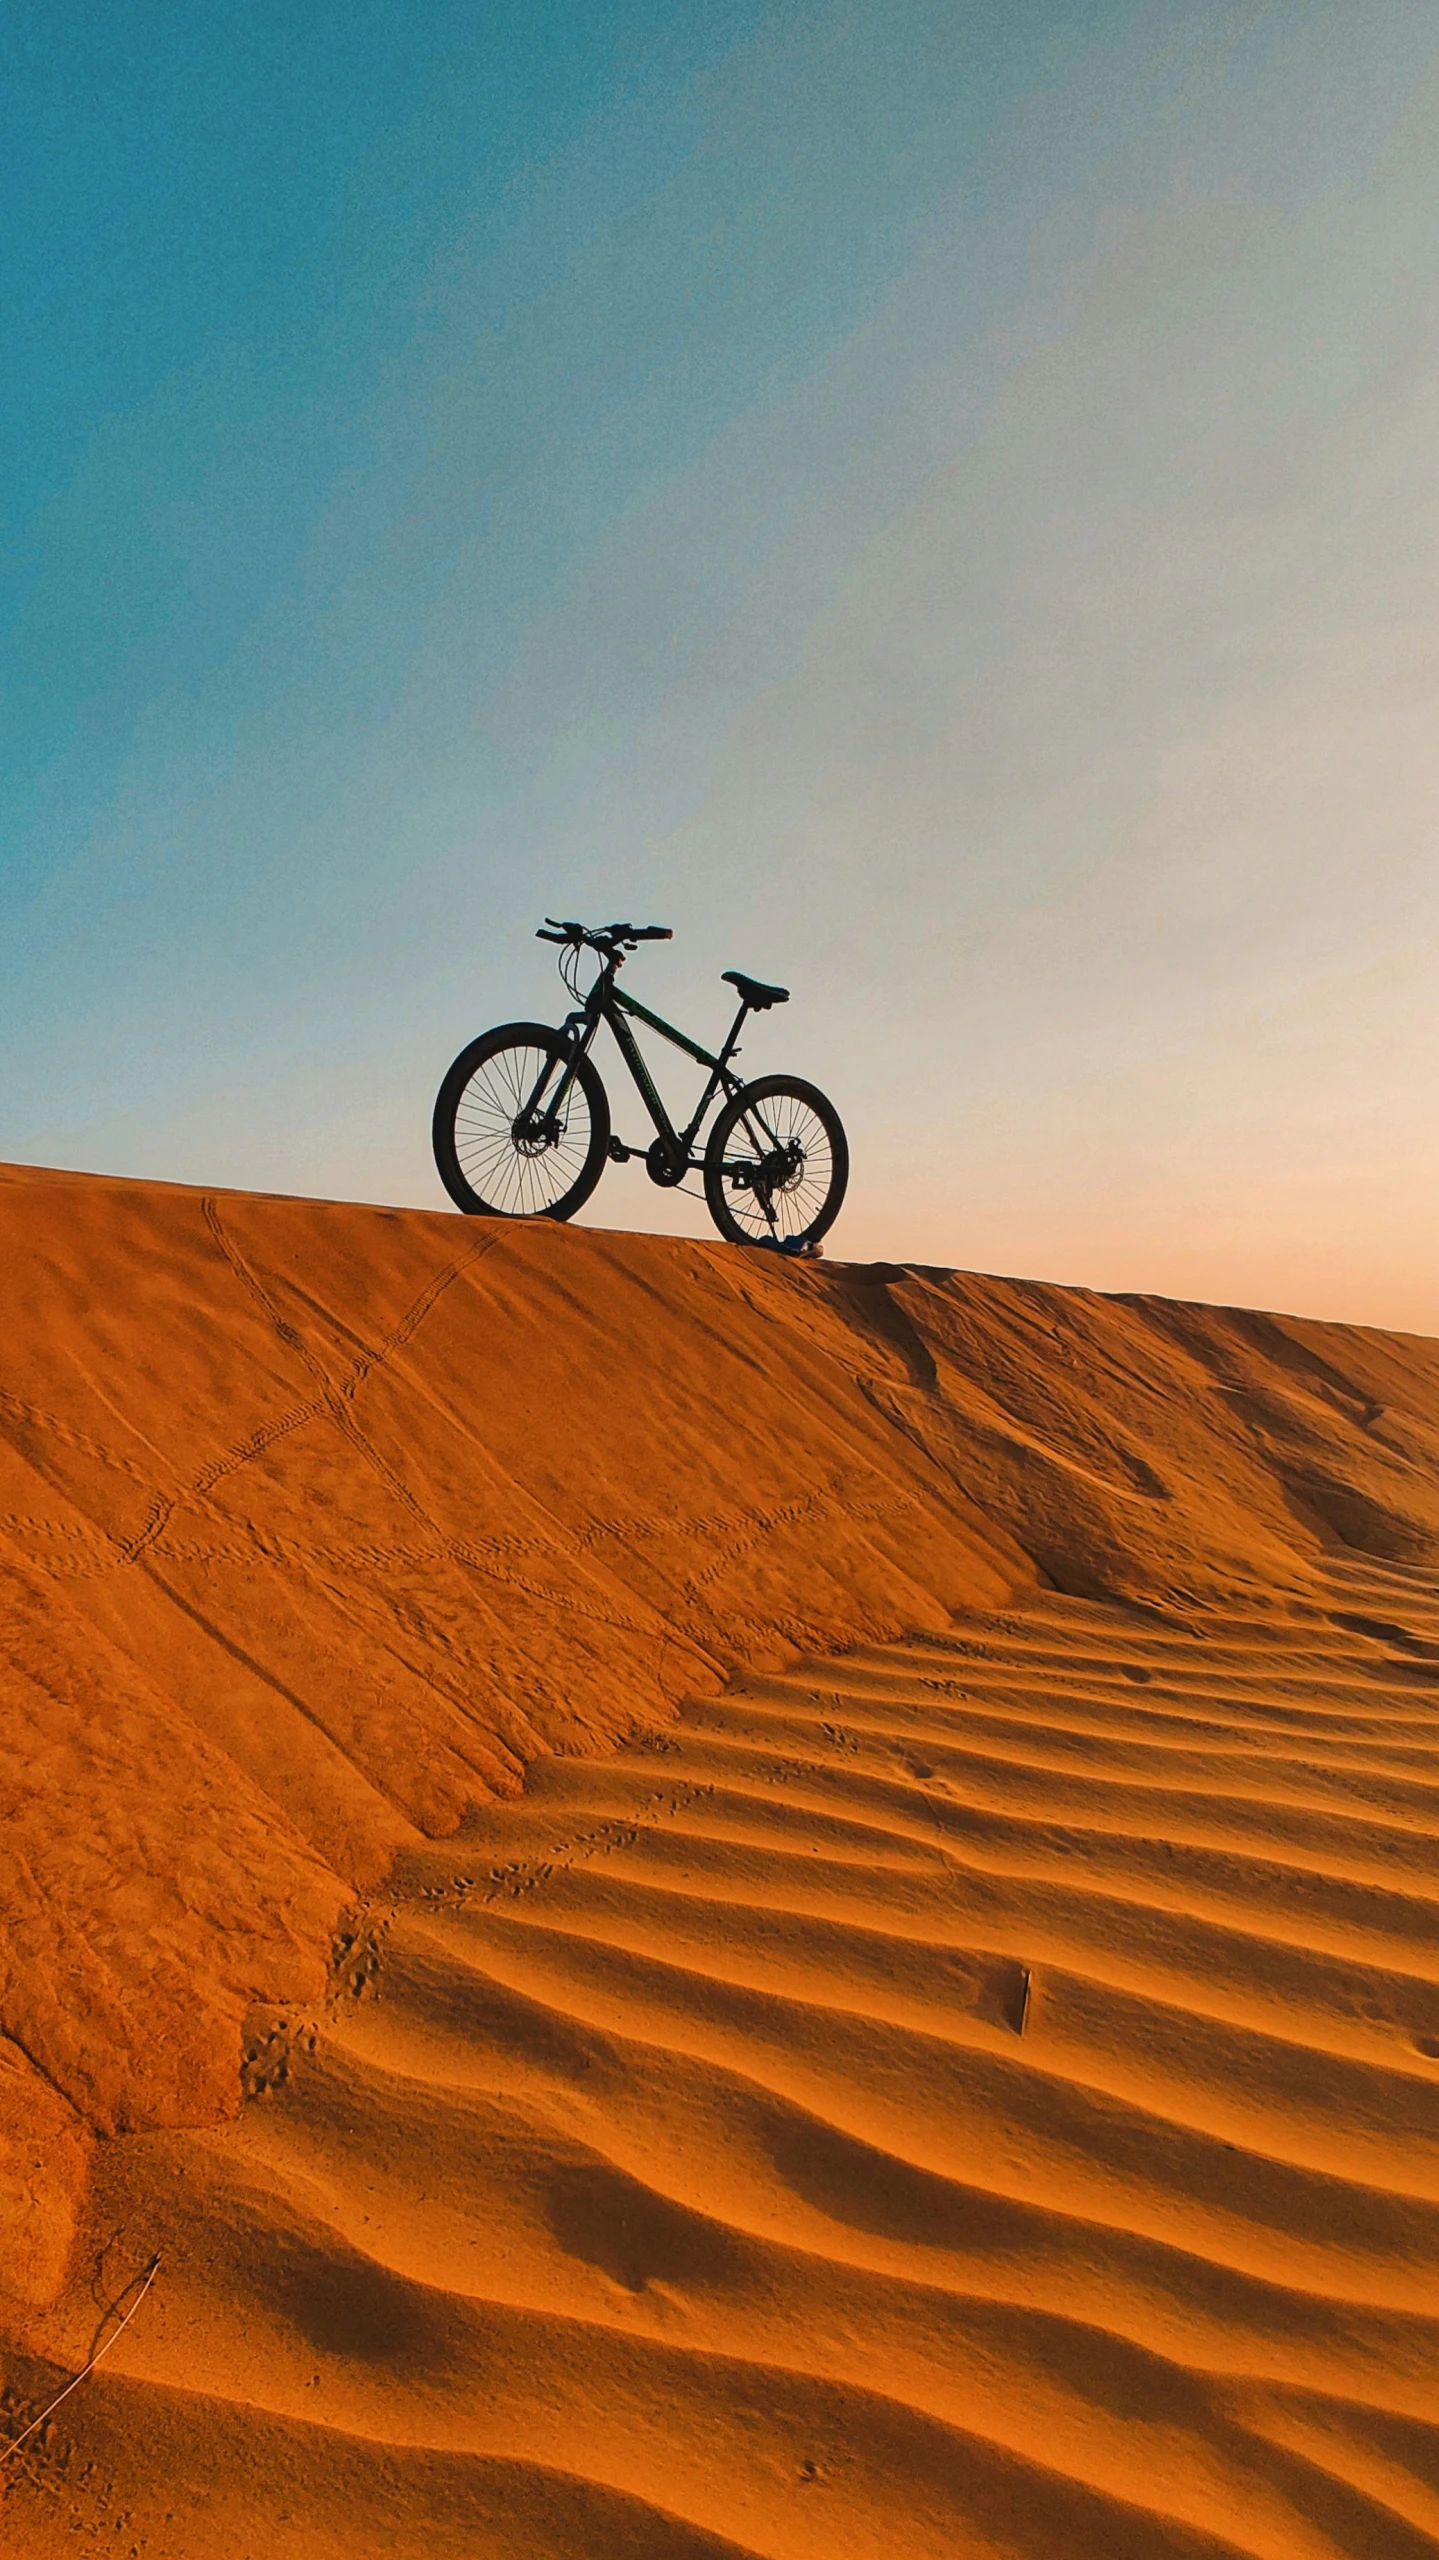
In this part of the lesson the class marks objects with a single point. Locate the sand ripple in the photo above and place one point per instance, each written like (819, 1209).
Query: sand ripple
(977, 2096)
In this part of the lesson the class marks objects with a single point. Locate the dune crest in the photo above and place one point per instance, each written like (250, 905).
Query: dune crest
(810, 1892)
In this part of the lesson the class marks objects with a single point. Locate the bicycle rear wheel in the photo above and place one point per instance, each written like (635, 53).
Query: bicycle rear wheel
(506, 1144)
(776, 1165)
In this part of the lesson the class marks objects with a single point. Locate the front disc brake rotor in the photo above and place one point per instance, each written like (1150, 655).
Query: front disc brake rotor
(533, 1137)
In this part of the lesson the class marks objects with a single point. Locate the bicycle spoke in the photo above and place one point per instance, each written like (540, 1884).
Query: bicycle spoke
(500, 1141)
(781, 1153)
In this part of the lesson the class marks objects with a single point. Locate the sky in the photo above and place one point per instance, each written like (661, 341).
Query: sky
(935, 502)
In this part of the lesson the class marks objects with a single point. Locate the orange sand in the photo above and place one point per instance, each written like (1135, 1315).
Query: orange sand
(963, 2077)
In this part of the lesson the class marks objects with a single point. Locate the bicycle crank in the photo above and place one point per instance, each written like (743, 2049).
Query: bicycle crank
(666, 1164)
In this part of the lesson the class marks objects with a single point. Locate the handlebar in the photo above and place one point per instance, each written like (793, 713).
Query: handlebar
(605, 938)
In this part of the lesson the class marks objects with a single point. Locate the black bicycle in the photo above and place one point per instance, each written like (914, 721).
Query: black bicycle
(522, 1120)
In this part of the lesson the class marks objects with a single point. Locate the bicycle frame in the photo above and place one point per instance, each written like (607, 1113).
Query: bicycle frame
(608, 1003)
(523, 1126)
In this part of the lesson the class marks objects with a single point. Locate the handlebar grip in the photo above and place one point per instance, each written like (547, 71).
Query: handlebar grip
(653, 932)
(542, 936)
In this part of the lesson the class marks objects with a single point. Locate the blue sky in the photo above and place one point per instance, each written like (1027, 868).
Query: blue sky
(935, 503)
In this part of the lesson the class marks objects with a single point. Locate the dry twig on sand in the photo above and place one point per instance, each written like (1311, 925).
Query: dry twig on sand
(145, 2281)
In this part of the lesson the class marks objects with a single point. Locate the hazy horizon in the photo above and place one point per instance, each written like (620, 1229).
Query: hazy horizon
(937, 507)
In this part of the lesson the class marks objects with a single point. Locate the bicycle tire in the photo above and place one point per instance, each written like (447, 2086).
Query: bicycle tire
(485, 1167)
(808, 1203)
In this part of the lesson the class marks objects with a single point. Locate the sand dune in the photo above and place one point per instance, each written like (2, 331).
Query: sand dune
(707, 1908)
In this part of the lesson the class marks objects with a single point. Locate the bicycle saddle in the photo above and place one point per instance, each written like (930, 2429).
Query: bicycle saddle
(757, 996)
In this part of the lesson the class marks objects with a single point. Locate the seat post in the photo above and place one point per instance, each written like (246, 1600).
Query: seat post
(727, 1052)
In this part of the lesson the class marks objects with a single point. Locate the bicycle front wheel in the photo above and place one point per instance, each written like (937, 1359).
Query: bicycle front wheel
(518, 1133)
(776, 1165)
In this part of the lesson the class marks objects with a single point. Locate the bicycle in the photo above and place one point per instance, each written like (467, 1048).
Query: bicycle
(522, 1122)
